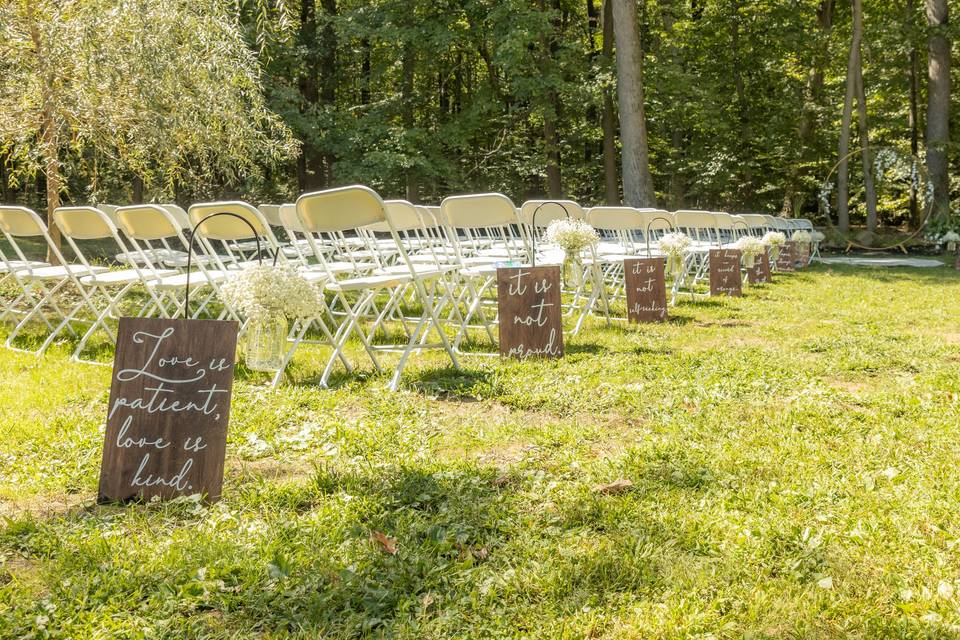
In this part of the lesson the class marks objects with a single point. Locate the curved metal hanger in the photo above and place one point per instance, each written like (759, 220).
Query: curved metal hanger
(533, 223)
(193, 239)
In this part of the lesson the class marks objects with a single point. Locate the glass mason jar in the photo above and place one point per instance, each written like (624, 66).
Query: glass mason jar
(749, 260)
(266, 343)
(572, 271)
(675, 265)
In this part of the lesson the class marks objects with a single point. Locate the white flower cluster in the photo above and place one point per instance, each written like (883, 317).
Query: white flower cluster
(750, 246)
(950, 236)
(675, 244)
(572, 235)
(266, 290)
(802, 237)
(774, 239)
(817, 237)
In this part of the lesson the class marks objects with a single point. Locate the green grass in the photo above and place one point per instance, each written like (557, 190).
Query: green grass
(793, 457)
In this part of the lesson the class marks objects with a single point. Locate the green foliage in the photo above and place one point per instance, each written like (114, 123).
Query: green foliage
(167, 91)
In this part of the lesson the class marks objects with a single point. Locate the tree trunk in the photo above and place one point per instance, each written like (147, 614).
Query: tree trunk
(551, 113)
(407, 116)
(813, 98)
(843, 184)
(913, 117)
(637, 182)
(309, 163)
(938, 105)
(608, 118)
(677, 187)
(864, 130)
(137, 190)
(51, 169)
(328, 72)
(50, 142)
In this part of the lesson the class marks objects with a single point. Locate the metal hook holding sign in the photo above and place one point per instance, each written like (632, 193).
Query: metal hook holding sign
(193, 239)
(646, 234)
(533, 223)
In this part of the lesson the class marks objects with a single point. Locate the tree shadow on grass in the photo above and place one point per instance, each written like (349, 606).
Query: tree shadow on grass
(379, 542)
(449, 383)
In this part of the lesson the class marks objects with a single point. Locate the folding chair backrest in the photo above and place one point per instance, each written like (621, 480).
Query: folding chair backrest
(271, 212)
(403, 217)
(756, 222)
(181, 216)
(549, 210)
(21, 222)
(148, 222)
(615, 219)
(480, 211)
(700, 225)
(226, 227)
(342, 209)
(84, 223)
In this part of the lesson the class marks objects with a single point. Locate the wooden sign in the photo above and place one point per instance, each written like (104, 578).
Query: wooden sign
(759, 273)
(531, 316)
(169, 407)
(646, 286)
(786, 257)
(725, 272)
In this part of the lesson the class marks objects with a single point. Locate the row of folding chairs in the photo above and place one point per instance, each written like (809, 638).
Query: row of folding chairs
(425, 272)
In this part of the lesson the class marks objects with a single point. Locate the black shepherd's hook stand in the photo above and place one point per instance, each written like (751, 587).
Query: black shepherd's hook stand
(193, 239)
(533, 223)
(646, 233)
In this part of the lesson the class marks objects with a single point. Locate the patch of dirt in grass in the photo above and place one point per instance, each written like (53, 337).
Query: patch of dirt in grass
(48, 506)
(951, 338)
(723, 323)
(270, 468)
(847, 385)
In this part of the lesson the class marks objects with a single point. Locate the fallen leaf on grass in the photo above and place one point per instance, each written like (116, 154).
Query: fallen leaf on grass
(389, 544)
(617, 486)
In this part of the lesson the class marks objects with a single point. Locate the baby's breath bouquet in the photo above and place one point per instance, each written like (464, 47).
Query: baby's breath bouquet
(750, 247)
(267, 295)
(802, 237)
(818, 237)
(951, 238)
(675, 246)
(263, 291)
(775, 240)
(572, 235)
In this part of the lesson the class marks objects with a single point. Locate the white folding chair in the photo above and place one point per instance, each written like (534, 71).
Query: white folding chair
(337, 217)
(41, 284)
(80, 224)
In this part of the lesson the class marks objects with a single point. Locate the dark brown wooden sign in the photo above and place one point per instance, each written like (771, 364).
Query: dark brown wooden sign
(531, 316)
(646, 286)
(786, 257)
(725, 272)
(169, 407)
(759, 273)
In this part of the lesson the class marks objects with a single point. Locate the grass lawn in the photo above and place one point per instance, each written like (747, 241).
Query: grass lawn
(793, 460)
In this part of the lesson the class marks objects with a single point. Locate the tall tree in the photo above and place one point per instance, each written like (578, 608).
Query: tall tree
(855, 91)
(86, 74)
(637, 181)
(608, 121)
(938, 105)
